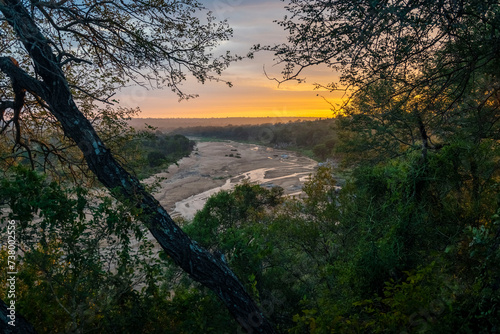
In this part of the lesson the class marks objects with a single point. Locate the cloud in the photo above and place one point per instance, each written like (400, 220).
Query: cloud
(253, 94)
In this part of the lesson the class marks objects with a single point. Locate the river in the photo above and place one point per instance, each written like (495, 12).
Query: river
(216, 166)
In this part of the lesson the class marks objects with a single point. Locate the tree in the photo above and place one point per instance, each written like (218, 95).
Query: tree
(370, 41)
(321, 151)
(423, 109)
(156, 41)
(413, 70)
(79, 270)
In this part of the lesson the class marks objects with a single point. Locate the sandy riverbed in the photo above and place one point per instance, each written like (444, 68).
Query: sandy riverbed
(210, 168)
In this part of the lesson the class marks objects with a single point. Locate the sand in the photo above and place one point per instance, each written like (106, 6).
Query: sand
(210, 168)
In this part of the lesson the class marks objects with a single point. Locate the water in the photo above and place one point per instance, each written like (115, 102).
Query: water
(188, 207)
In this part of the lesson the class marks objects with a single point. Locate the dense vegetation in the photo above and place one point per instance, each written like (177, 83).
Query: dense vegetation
(315, 138)
(149, 152)
(143, 152)
(395, 250)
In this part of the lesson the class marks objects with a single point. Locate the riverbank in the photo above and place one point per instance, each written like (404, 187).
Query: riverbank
(215, 166)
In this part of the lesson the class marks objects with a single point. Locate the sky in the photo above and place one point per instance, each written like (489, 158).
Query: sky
(252, 94)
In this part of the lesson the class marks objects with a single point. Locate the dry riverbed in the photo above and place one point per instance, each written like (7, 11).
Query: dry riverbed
(215, 166)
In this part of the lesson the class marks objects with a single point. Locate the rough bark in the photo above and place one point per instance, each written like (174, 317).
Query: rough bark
(53, 89)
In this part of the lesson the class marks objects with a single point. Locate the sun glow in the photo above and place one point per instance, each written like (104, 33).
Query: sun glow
(240, 102)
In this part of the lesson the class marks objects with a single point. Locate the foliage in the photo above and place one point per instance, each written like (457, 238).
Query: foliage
(298, 135)
(280, 247)
(405, 244)
(101, 47)
(86, 264)
(420, 131)
(148, 153)
(417, 74)
(392, 250)
(410, 243)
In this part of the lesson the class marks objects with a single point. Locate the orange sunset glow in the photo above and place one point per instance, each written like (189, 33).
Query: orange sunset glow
(242, 101)
(253, 94)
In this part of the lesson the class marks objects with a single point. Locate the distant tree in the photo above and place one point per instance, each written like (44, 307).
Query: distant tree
(156, 158)
(241, 133)
(321, 151)
(69, 48)
(330, 143)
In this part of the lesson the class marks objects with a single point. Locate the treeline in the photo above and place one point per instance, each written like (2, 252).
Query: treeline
(410, 244)
(316, 137)
(142, 152)
(149, 152)
(402, 247)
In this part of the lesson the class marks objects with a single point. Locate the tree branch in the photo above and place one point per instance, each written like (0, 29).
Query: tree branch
(200, 264)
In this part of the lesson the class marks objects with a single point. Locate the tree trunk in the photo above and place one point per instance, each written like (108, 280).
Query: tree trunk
(200, 264)
(21, 325)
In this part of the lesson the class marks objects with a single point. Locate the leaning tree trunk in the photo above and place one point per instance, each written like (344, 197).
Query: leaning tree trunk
(21, 326)
(201, 265)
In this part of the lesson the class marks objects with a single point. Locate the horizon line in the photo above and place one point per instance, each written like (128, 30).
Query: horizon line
(316, 117)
